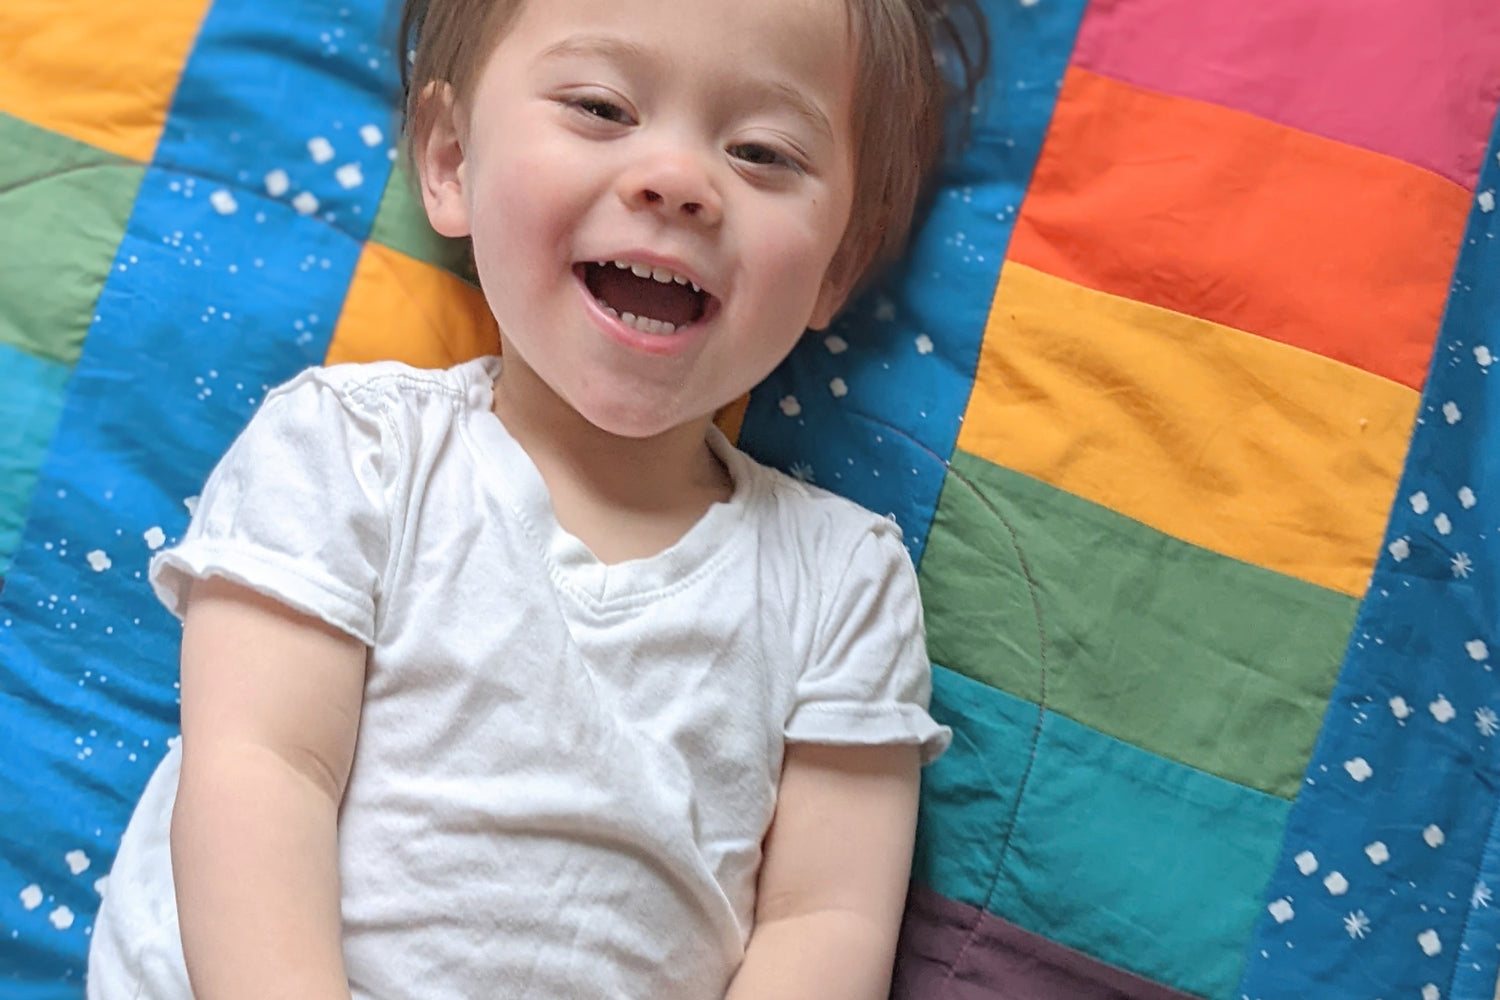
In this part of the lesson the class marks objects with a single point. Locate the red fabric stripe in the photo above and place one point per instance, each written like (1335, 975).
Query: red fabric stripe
(1223, 216)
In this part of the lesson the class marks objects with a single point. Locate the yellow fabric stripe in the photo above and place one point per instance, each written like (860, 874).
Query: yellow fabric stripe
(400, 309)
(1241, 445)
(99, 71)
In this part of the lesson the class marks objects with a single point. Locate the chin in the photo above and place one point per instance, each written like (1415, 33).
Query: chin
(637, 421)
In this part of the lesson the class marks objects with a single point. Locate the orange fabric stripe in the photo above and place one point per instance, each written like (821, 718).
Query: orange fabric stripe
(1240, 445)
(400, 309)
(99, 71)
(1221, 215)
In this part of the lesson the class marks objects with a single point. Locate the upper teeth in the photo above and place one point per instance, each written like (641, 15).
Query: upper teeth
(660, 274)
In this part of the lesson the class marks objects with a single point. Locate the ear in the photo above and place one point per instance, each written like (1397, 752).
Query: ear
(439, 156)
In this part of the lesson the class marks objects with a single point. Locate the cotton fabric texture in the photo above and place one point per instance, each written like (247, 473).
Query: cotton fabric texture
(565, 769)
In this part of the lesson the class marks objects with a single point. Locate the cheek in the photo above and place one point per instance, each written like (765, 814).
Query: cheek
(521, 220)
(509, 200)
(797, 253)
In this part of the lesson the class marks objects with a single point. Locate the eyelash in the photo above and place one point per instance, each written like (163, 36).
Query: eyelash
(777, 159)
(591, 106)
(612, 113)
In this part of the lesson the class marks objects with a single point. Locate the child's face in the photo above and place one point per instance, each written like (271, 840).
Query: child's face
(706, 138)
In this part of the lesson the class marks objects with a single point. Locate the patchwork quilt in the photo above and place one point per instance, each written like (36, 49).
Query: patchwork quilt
(1182, 398)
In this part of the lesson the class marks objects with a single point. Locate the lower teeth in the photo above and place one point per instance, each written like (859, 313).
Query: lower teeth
(644, 324)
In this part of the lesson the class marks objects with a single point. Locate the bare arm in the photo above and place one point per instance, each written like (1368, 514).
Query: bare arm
(834, 879)
(270, 710)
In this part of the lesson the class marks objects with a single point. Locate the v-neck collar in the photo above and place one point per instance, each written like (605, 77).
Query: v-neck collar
(620, 586)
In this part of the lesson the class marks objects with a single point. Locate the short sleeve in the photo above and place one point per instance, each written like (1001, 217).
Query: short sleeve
(295, 510)
(869, 680)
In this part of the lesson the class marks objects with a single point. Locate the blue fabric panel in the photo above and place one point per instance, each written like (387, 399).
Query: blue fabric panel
(222, 287)
(1474, 972)
(278, 91)
(1375, 893)
(904, 355)
(173, 368)
(31, 395)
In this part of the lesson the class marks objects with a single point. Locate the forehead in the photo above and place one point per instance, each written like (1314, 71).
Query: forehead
(808, 43)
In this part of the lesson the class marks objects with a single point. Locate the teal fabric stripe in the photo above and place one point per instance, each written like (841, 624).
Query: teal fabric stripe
(1133, 859)
(31, 398)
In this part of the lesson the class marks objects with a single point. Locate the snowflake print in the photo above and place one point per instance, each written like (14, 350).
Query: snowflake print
(1462, 565)
(802, 472)
(1357, 924)
(1482, 896)
(1486, 721)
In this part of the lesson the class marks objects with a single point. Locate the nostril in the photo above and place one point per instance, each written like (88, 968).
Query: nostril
(651, 197)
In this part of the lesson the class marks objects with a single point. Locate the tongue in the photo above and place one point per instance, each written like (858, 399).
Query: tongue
(625, 293)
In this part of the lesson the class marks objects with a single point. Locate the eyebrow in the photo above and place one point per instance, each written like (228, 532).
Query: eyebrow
(800, 103)
(598, 45)
(610, 47)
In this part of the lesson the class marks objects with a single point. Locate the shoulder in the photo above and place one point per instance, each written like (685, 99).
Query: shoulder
(406, 409)
(378, 418)
(389, 385)
(819, 519)
(828, 541)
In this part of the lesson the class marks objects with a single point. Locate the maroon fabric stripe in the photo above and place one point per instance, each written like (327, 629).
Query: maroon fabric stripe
(950, 951)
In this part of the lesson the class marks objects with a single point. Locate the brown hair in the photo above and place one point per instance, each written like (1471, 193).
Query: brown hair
(920, 62)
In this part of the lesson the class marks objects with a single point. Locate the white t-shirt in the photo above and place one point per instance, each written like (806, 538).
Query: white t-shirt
(564, 769)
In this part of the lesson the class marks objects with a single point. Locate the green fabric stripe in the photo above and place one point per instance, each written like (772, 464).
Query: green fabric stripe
(64, 206)
(1132, 859)
(401, 224)
(31, 399)
(1196, 657)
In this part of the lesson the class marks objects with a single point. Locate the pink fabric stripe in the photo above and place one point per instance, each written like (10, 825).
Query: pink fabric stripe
(952, 951)
(1415, 79)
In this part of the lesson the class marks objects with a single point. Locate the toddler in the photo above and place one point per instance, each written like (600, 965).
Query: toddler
(517, 679)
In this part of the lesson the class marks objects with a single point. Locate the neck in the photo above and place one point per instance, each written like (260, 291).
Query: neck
(661, 473)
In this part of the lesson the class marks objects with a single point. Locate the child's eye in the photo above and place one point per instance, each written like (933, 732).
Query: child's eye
(596, 107)
(762, 156)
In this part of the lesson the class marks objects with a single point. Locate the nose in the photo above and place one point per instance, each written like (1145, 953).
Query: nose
(675, 184)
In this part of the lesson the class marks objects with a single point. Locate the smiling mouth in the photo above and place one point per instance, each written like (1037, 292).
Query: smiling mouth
(651, 300)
